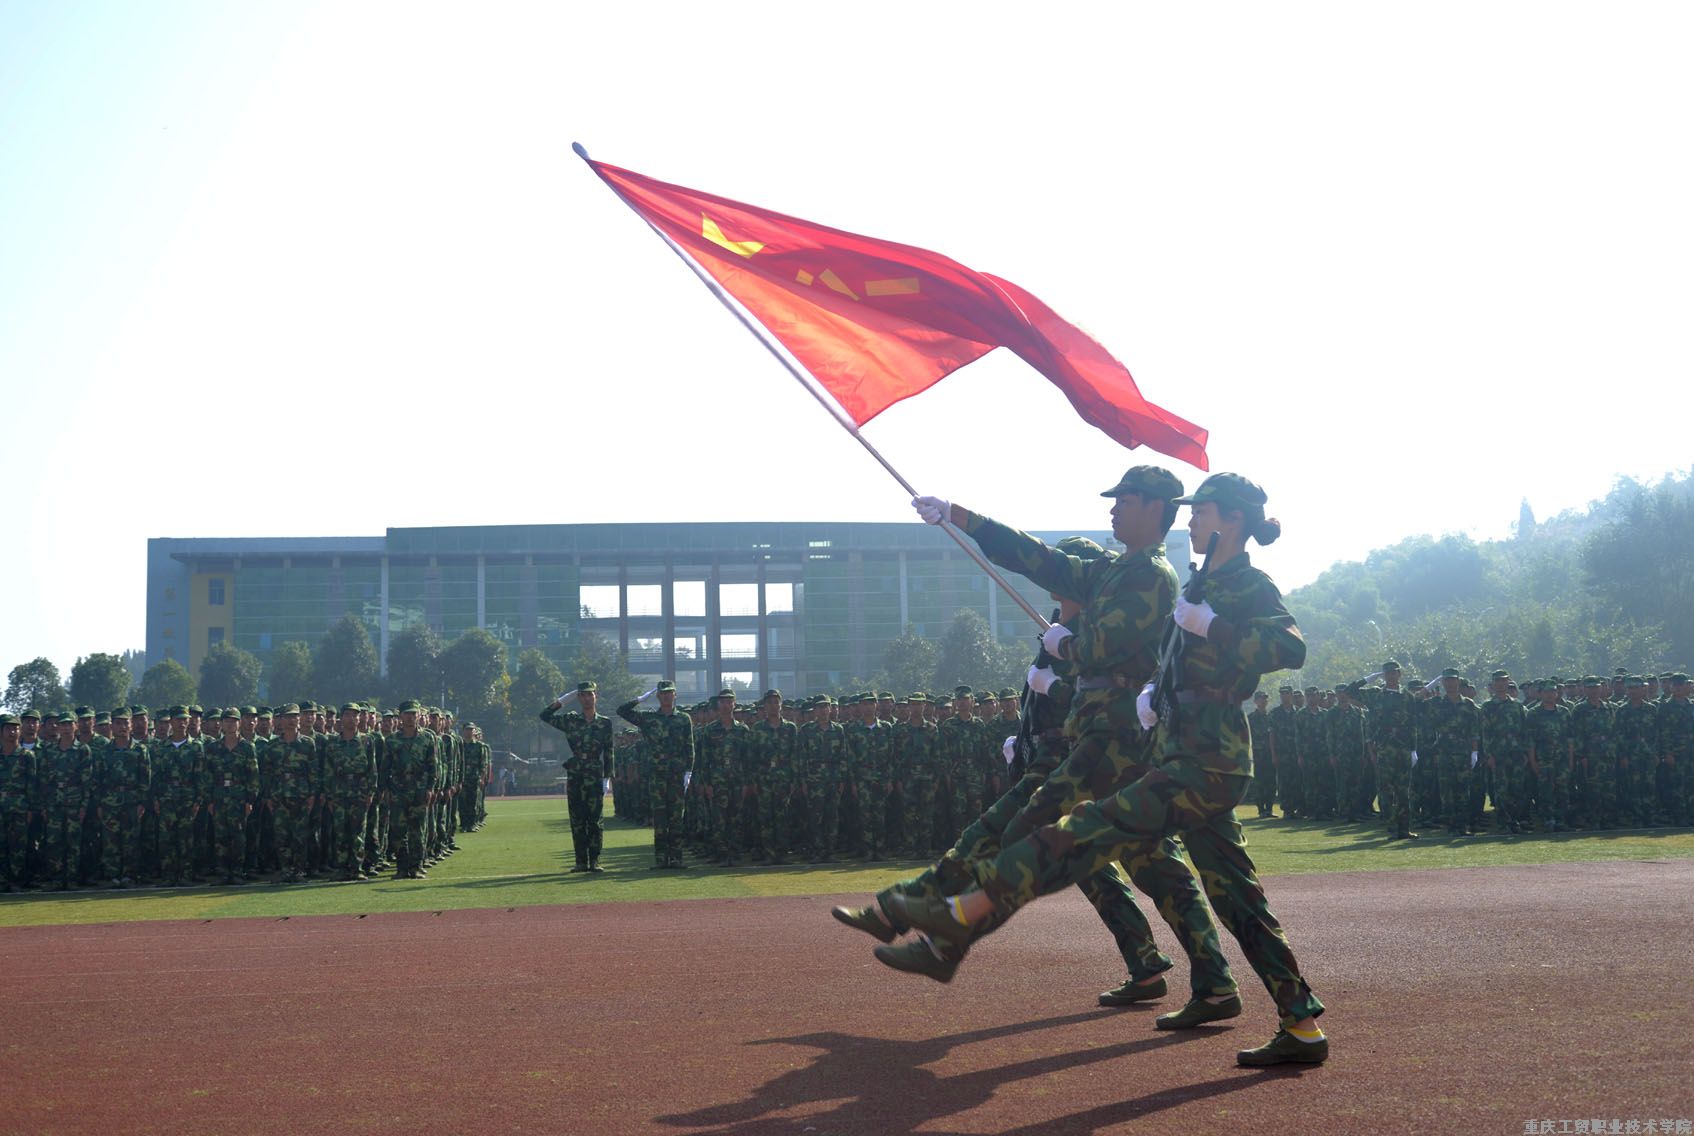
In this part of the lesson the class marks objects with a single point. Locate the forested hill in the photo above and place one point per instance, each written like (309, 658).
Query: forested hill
(1585, 592)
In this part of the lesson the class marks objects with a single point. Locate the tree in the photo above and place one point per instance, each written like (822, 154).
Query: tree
(969, 656)
(289, 676)
(229, 676)
(166, 684)
(345, 665)
(101, 681)
(414, 663)
(536, 684)
(36, 685)
(598, 660)
(908, 664)
(472, 669)
(136, 663)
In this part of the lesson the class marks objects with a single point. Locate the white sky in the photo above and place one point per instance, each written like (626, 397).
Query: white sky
(1408, 263)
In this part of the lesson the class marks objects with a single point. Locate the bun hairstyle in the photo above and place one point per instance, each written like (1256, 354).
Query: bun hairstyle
(1265, 530)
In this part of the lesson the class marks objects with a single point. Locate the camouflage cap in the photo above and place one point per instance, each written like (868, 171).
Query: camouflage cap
(665, 684)
(1285, 689)
(468, 727)
(1500, 674)
(885, 696)
(962, 692)
(29, 715)
(1592, 680)
(773, 692)
(66, 719)
(1414, 684)
(1679, 676)
(1230, 490)
(176, 712)
(85, 711)
(823, 700)
(200, 710)
(265, 711)
(307, 705)
(230, 712)
(137, 712)
(726, 692)
(1148, 481)
(587, 687)
(411, 706)
(10, 720)
(352, 708)
(286, 709)
(1390, 666)
(1451, 672)
(917, 696)
(1557, 681)
(1008, 692)
(102, 716)
(249, 711)
(1635, 680)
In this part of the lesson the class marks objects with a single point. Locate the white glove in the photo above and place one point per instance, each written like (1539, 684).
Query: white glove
(1473, 759)
(1040, 679)
(648, 697)
(1414, 759)
(933, 510)
(1144, 708)
(1053, 638)
(1010, 748)
(1193, 617)
(568, 696)
(1372, 677)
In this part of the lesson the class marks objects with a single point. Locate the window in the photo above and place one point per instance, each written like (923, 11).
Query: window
(779, 597)
(739, 647)
(215, 591)
(599, 601)
(689, 597)
(738, 599)
(646, 599)
(214, 636)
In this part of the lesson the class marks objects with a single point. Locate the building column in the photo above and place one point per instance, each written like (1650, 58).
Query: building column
(481, 590)
(382, 633)
(764, 651)
(714, 625)
(667, 604)
(905, 606)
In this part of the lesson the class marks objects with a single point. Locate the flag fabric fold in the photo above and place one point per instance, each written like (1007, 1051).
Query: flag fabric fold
(875, 322)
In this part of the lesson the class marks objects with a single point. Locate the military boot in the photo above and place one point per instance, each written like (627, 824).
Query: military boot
(924, 956)
(1286, 1049)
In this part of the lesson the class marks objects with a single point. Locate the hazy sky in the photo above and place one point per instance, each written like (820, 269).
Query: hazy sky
(290, 270)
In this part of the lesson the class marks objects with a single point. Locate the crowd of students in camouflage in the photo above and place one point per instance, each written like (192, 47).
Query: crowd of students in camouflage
(127, 798)
(1553, 755)
(866, 776)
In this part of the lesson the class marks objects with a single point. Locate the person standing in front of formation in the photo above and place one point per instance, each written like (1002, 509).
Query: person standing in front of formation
(588, 764)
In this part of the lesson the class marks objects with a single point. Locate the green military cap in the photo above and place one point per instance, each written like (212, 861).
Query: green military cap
(1008, 692)
(10, 720)
(1500, 674)
(1390, 665)
(1081, 547)
(264, 711)
(177, 712)
(917, 696)
(1414, 684)
(961, 692)
(468, 726)
(1230, 490)
(29, 715)
(1635, 680)
(1556, 680)
(355, 707)
(102, 716)
(1285, 689)
(1147, 480)
(1314, 690)
(885, 696)
(286, 709)
(823, 700)
(411, 705)
(587, 687)
(85, 711)
(66, 719)
(773, 692)
(1679, 676)
(1620, 673)
(138, 712)
(665, 684)
(230, 712)
(193, 710)
(1342, 688)
(1451, 672)
(249, 711)
(307, 704)
(1591, 680)
(726, 692)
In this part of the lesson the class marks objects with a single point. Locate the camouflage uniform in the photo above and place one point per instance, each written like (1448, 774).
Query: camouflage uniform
(233, 774)
(1393, 738)
(349, 779)
(670, 748)
(1505, 751)
(917, 770)
(1264, 761)
(1553, 730)
(178, 786)
(1344, 731)
(1285, 737)
(122, 781)
(1451, 732)
(729, 751)
(296, 771)
(589, 763)
(63, 778)
(1594, 770)
(782, 816)
(1317, 763)
(1205, 770)
(823, 757)
(1636, 734)
(18, 778)
(1676, 745)
(411, 773)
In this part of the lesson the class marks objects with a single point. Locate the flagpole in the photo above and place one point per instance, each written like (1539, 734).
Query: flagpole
(757, 331)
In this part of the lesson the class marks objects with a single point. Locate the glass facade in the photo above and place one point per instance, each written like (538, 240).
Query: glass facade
(799, 606)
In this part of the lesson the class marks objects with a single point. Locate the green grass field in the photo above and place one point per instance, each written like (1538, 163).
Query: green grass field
(522, 856)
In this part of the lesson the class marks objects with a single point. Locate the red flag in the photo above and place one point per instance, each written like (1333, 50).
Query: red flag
(876, 322)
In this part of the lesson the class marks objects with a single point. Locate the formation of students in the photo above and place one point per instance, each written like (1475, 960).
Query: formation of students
(127, 798)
